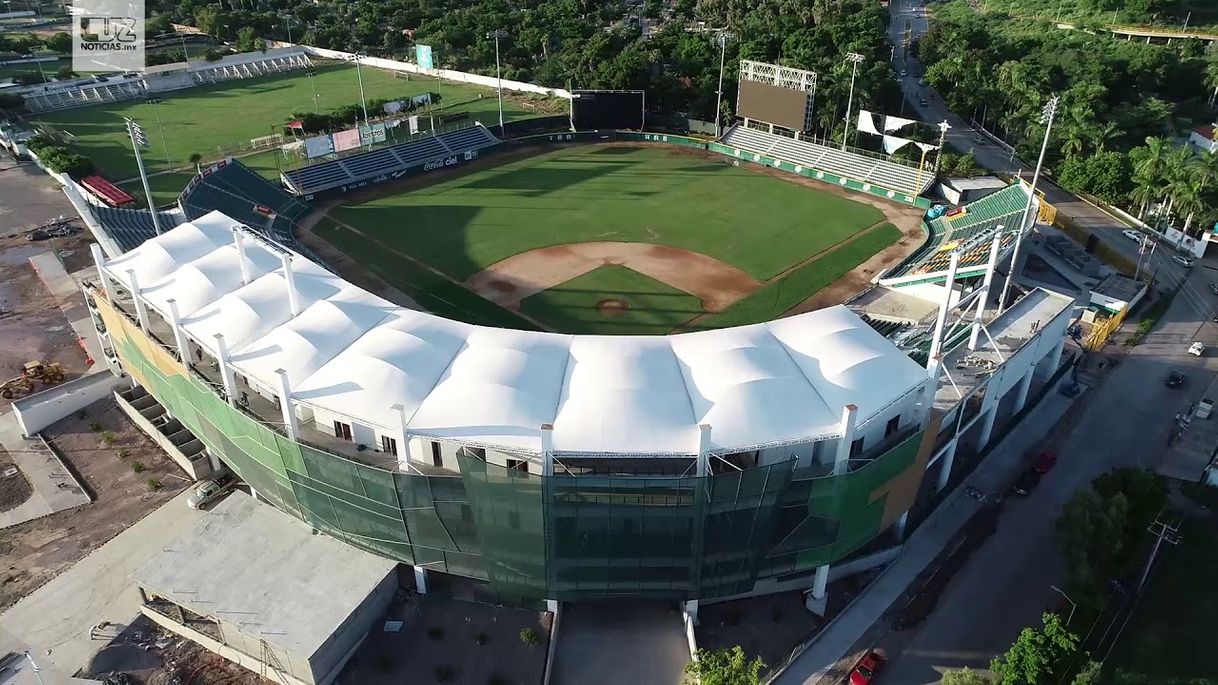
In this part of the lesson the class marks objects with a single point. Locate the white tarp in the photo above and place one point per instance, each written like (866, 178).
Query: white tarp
(866, 124)
(896, 123)
(353, 354)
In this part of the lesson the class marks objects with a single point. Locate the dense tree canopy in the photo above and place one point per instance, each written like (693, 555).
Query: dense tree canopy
(581, 44)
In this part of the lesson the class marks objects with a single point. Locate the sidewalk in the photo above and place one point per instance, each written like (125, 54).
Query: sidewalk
(924, 545)
(66, 292)
(55, 489)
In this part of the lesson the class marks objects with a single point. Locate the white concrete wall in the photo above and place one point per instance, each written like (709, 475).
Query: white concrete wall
(41, 409)
(446, 74)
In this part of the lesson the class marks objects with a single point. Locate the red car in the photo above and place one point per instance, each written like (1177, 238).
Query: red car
(1043, 463)
(865, 671)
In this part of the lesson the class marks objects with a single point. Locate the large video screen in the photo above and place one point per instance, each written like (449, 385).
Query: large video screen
(603, 109)
(779, 106)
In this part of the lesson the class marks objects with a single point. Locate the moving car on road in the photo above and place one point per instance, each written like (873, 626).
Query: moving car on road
(866, 669)
(1044, 462)
(1182, 261)
(1135, 236)
(1028, 480)
(1174, 379)
(1197, 349)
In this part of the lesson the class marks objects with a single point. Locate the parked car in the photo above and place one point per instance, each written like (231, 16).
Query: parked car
(866, 669)
(1044, 462)
(1174, 379)
(1182, 261)
(211, 489)
(1197, 349)
(1028, 480)
(1135, 236)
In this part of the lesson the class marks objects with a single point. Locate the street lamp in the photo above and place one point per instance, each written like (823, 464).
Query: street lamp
(854, 58)
(1046, 117)
(722, 38)
(497, 34)
(1073, 606)
(359, 74)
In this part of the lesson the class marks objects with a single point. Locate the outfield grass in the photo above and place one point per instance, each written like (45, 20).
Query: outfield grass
(1169, 638)
(655, 308)
(613, 193)
(219, 119)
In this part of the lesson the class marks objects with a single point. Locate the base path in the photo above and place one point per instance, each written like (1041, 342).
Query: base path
(511, 280)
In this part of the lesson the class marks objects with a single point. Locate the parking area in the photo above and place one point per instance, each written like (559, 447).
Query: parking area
(128, 476)
(635, 642)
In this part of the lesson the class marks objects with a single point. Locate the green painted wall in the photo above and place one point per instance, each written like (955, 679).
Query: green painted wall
(561, 537)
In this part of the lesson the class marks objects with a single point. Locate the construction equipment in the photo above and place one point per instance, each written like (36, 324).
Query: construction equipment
(32, 373)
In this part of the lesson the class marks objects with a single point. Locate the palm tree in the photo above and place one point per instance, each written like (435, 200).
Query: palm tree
(1105, 134)
(1175, 176)
(1188, 198)
(1211, 75)
(1145, 191)
(1151, 165)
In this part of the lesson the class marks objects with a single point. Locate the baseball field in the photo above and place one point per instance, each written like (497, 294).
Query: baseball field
(612, 239)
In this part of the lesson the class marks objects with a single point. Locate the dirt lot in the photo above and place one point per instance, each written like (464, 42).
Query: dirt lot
(15, 488)
(151, 655)
(105, 449)
(32, 326)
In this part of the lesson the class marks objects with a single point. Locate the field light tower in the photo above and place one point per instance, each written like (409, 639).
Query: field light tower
(139, 141)
(496, 35)
(854, 58)
(359, 74)
(722, 38)
(1046, 117)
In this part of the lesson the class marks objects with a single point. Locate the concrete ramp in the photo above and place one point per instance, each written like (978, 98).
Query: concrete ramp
(610, 643)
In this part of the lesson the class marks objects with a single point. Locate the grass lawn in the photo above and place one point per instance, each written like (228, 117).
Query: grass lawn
(49, 69)
(645, 194)
(1169, 638)
(220, 119)
(654, 307)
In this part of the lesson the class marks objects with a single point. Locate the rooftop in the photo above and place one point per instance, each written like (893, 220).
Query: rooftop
(248, 564)
(354, 354)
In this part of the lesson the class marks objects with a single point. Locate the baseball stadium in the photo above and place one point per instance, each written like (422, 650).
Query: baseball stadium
(565, 354)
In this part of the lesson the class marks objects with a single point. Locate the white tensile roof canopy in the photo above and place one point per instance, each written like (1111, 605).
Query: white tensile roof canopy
(357, 355)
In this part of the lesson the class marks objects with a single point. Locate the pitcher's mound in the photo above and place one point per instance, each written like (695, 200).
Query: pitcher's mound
(612, 307)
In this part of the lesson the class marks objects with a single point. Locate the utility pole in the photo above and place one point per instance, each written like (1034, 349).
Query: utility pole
(140, 140)
(1163, 532)
(854, 58)
(1046, 117)
(723, 38)
(497, 34)
(359, 74)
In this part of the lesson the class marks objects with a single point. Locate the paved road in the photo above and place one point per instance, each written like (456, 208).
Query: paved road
(1126, 420)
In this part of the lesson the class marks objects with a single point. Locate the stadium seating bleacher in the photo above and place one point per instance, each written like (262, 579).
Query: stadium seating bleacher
(882, 173)
(363, 166)
(131, 227)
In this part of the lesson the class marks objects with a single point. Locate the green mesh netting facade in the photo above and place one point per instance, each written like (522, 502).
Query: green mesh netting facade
(560, 537)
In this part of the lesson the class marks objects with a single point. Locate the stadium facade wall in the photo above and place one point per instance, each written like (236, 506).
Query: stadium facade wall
(548, 537)
(446, 74)
(454, 160)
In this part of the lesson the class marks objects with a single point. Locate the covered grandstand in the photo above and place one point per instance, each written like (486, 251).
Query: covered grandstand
(969, 232)
(388, 163)
(864, 168)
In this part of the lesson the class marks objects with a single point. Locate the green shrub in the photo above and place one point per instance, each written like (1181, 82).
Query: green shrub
(530, 637)
(108, 438)
(138, 466)
(154, 484)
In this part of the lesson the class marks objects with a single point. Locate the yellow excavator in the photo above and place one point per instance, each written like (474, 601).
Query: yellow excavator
(32, 373)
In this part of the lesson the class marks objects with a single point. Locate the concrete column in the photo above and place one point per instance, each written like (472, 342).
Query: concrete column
(214, 461)
(239, 241)
(929, 390)
(552, 606)
(849, 421)
(704, 445)
(691, 610)
(987, 426)
(945, 469)
(290, 279)
(179, 336)
(285, 403)
(226, 371)
(991, 266)
(899, 526)
(141, 312)
(546, 433)
(816, 598)
(404, 445)
(1056, 355)
(420, 579)
(99, 260)
(1021, 393)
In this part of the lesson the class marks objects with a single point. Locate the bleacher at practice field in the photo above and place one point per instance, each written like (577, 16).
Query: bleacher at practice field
(388, 160)
(885, 174)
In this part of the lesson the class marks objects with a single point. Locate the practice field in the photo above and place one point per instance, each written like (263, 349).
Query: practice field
(218, 119)
(609, 239)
